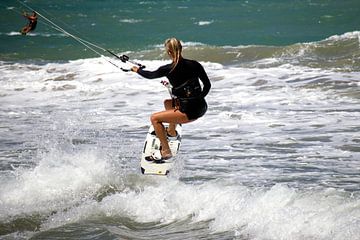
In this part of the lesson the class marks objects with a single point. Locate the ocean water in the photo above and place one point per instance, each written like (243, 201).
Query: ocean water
(275, 157)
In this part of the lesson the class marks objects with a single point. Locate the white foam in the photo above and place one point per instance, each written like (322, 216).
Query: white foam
(276, 213)
(130, 20)
(250, 110)
(237, 88)
(13, 33)
(59, 180)
(345, 36)
(204, 23)
(34, 34)
(184, 44)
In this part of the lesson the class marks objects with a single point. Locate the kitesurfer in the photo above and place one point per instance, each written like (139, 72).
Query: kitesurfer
(189, 103)
(32, 23)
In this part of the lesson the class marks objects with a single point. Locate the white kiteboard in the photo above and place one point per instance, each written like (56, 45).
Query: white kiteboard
(152, 144)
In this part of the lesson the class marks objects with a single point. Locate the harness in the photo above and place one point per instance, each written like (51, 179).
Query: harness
(189, 89)
(184, 95)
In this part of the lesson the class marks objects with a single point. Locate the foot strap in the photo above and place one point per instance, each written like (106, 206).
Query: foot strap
(156, 157)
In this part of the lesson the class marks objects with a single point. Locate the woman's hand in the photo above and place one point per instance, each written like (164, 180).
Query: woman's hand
(134, 69)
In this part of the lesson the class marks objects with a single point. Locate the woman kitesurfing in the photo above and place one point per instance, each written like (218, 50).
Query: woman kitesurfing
(189, 103)
(32, 23)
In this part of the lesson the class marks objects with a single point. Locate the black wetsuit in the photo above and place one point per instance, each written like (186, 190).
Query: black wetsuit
(32, 24)
(184, 79)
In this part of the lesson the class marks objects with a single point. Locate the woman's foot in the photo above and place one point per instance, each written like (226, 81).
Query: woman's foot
(166, 154)
(159, 156)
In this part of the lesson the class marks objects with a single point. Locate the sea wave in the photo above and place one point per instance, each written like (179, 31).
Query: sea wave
(67, 189)
(338, 52)
(345, 36)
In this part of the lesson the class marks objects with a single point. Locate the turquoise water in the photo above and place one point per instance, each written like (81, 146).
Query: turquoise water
(140, 25)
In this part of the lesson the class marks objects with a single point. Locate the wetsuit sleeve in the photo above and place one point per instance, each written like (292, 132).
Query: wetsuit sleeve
(205, 80)
(160, 72)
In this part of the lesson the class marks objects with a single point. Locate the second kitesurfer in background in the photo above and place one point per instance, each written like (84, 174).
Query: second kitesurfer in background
(32, 23)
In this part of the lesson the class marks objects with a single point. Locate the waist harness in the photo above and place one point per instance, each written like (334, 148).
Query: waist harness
(189, 89)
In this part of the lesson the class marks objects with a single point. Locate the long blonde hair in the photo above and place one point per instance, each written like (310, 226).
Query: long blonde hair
(173, 48)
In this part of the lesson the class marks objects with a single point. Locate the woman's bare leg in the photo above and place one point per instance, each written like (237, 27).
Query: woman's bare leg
(168, 104)
(168, 116)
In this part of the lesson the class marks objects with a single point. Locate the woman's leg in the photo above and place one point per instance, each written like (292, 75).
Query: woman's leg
(168, 116)
(25, 30)
(168, 104)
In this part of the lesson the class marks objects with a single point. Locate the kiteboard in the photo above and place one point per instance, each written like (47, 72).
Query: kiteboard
(152, 144)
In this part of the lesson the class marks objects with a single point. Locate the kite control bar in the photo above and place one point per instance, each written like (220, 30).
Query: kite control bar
(124, 59)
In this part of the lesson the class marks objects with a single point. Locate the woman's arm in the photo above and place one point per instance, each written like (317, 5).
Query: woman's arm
(160, 72)
(205, 80)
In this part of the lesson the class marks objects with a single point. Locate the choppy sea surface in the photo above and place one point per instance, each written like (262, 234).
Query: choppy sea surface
(275, 157)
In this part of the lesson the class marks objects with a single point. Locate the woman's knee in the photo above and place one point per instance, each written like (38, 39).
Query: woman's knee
(154, 119)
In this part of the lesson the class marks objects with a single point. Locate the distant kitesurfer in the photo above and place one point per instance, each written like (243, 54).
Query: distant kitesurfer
(189, 103)
(32, 23)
